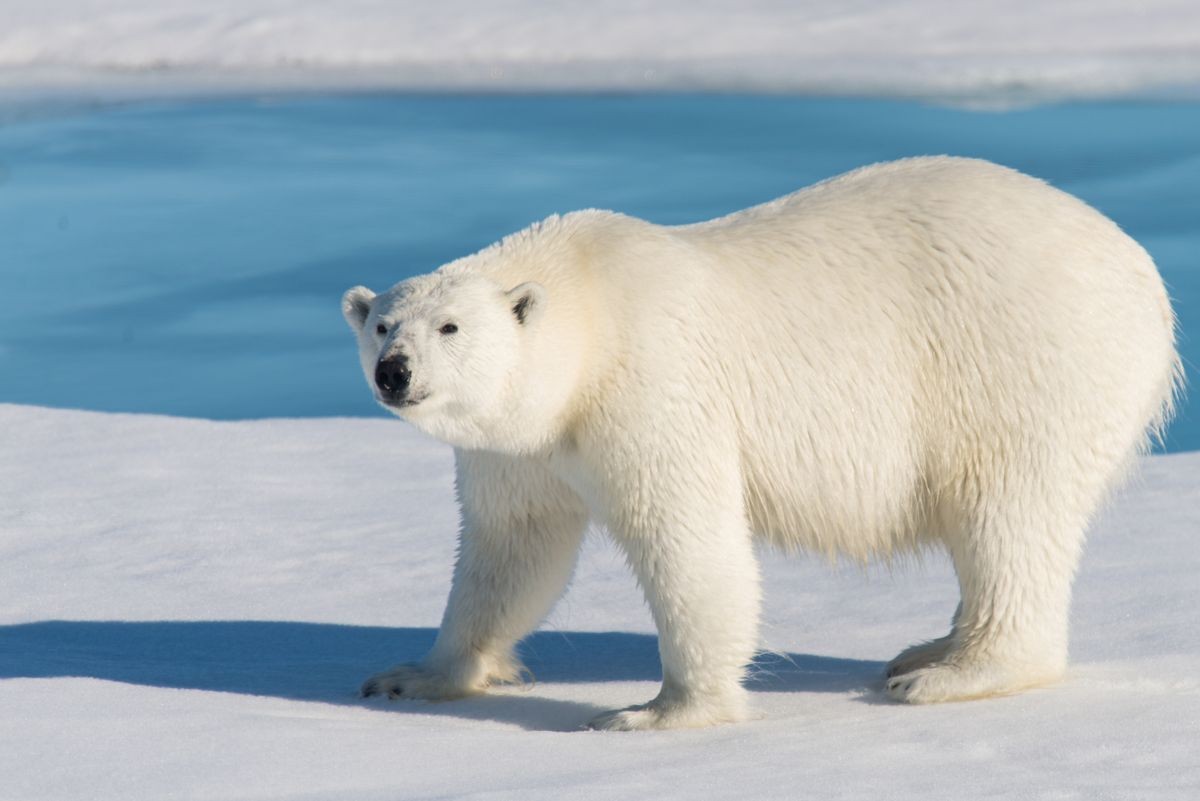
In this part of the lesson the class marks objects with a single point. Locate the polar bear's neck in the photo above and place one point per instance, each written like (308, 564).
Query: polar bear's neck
(569, 348)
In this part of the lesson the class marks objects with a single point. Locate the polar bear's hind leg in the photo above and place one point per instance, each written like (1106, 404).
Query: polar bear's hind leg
(1011, 629)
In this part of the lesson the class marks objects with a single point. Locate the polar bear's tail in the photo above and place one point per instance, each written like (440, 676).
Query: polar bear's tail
(1172, 386)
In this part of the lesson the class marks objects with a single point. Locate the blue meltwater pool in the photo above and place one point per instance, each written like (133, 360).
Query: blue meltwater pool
(188, 258)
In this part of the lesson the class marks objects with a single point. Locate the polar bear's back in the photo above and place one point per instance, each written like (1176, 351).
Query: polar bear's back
(912, 333)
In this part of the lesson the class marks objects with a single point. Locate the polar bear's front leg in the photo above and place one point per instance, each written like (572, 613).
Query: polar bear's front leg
(521, 532)
(690, 546)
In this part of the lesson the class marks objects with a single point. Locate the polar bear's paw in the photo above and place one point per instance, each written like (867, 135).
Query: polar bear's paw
(659, 714)
(445, 679)
(963, 681)
(416, 681)
(917, 656)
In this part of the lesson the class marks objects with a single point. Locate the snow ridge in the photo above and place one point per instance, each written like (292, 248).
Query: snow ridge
(930, 48)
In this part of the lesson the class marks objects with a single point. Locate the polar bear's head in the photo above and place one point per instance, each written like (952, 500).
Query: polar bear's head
(445, 351)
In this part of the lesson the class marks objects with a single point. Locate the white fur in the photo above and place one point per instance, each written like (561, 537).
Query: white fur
(931, 351)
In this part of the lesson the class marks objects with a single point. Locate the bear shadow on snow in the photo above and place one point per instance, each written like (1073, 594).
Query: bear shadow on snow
(326, 663)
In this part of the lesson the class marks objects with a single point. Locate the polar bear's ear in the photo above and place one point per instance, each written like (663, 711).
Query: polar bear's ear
(356, 305)
(526, 301)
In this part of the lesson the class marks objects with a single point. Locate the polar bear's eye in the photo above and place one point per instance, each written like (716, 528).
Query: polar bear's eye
(448, 328)
(381, 329)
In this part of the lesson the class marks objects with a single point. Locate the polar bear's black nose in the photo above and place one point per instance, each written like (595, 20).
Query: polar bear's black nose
(392, 375)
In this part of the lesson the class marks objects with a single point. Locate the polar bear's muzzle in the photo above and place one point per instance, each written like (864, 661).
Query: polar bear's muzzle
(392, 380)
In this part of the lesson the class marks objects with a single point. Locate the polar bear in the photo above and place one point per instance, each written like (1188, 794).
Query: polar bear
(930, 352)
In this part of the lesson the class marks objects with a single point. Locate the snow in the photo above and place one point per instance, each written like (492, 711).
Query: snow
(188, 607)
(941, 48)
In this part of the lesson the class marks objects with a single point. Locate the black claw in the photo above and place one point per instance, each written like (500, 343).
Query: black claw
(369, 689)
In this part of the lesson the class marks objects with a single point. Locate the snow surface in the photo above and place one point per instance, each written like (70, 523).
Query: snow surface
(944, 48)
(188, 608)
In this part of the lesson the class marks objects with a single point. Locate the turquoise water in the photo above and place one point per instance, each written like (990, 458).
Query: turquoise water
(189, 258)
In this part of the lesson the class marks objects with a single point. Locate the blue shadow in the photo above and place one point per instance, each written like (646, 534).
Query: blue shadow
(327, 663)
